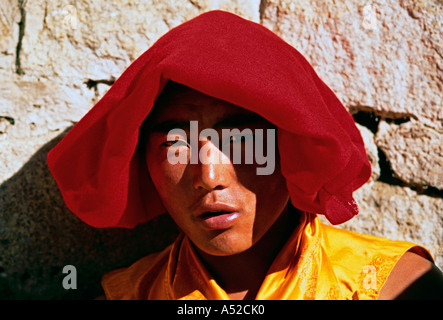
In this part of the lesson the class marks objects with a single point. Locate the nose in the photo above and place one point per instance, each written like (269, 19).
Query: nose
(210, 173)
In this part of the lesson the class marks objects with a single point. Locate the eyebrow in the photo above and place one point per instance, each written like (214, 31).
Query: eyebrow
(233, 121)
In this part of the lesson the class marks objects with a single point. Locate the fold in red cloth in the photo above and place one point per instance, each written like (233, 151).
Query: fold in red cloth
(97, 164)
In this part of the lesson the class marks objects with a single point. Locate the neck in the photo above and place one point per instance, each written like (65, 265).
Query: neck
(252, 265)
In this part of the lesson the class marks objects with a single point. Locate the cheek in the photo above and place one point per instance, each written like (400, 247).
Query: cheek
(271, 192)
(165, 176)
(169, 181)
(271, 196)
(263, 186)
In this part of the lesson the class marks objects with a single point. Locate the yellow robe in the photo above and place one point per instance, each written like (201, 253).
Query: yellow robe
(317, 262)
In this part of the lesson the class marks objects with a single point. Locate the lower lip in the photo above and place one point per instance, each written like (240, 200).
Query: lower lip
(219, 222)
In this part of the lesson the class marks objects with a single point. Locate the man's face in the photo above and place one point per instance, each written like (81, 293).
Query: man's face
(223, 207)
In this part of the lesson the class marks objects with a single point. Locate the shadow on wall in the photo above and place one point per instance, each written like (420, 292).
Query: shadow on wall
(39, 236)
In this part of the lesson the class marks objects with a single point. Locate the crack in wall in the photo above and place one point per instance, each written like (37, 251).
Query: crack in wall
(261, 9)
(21, 34)
(92, 84)
(5, 123)
(388, 176)
(370, 118)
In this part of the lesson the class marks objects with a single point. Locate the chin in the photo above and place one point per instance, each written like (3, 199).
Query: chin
(226, 244)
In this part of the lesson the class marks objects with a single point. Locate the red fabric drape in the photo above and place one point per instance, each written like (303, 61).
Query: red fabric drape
(97, 164)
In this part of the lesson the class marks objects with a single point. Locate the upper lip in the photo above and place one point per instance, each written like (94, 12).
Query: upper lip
(215, 207)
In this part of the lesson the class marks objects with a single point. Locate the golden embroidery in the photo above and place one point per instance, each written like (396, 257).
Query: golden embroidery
(307, 269)
(334, 293)
(383, 266)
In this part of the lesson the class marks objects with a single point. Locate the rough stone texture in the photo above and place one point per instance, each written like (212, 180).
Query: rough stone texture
(415, 152)
(383, 59)
(57, 58)
(386, 55)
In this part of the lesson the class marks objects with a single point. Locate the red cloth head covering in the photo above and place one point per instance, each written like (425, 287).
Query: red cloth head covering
(97, 164)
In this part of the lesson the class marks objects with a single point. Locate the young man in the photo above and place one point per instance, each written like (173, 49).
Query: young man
(229, 130)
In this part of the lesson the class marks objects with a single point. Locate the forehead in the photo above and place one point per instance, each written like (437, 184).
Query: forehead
(180, 103)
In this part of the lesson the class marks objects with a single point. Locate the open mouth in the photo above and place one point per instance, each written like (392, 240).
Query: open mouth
(214, 214)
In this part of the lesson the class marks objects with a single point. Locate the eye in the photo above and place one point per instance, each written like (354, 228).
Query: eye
(175, 143)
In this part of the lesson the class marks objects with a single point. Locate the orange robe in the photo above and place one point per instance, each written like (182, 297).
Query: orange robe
(317, 262)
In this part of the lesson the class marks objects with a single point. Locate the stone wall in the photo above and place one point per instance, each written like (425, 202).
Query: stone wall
(384, 59)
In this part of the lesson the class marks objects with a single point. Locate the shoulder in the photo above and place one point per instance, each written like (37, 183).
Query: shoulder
(136, 280)
(374, 267)
(413, 277)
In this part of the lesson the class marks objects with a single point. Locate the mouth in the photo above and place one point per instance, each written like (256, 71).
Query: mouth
(217, 216)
